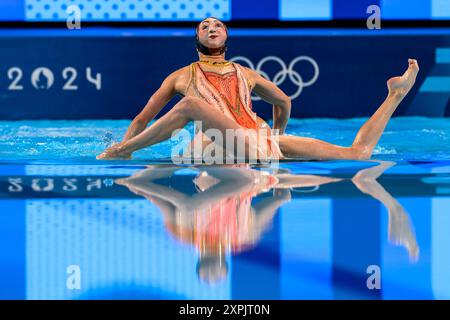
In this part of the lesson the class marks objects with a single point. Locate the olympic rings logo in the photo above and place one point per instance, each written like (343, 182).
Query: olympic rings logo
(285, 71)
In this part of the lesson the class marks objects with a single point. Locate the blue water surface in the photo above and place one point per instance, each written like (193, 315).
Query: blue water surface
(405, 138)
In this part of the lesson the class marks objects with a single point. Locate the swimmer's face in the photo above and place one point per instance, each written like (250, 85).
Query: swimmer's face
(212, 33)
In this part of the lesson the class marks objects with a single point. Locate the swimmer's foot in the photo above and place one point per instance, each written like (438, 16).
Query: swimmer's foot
(400, 86)
(114, 152)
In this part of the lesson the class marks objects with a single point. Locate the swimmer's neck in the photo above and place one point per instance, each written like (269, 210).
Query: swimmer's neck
(211, 58)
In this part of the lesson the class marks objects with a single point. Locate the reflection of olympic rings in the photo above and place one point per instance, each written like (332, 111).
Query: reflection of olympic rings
(285, 71)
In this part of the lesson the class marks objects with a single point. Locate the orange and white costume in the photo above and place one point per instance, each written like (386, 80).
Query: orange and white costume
(231, 94)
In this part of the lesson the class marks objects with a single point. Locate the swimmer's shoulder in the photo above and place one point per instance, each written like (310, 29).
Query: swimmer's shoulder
(179, 78)
(249, 74)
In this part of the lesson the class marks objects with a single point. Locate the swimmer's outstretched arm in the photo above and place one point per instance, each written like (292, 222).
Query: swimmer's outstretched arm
(157, 101)
(270, 93)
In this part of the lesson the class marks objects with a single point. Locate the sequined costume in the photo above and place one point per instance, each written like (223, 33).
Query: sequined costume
(231, 94)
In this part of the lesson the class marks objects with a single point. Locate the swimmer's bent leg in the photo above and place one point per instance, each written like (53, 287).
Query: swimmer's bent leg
(188, 109)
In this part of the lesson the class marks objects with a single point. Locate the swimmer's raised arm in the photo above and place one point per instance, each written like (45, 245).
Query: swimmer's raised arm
(168, 89)
(270, 93)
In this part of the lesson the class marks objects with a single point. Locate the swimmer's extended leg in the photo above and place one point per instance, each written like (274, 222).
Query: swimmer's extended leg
(367, 136)
(400, 226)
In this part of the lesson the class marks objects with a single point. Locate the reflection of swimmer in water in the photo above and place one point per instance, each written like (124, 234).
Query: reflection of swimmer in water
(400, 229)
(220, 218)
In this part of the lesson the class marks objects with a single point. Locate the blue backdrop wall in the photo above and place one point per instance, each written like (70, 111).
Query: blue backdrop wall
(111, 73)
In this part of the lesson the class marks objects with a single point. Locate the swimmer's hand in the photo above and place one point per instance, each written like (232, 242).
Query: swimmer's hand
(114, 152)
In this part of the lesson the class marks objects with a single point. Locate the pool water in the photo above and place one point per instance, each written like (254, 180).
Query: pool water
(75, 228)
(405, 138)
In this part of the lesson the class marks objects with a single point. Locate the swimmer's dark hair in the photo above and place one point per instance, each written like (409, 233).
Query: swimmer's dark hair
(204, 49)
(215, 266)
